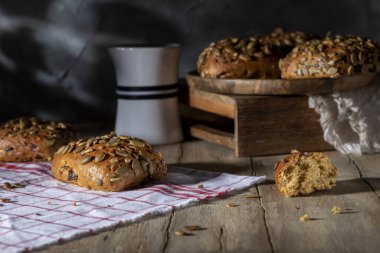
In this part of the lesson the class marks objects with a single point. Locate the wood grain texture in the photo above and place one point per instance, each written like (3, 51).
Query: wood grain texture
(213, 135)
(267, 125)
(231, 229)
(354, 230)
(221, 105)
(279, 86)
(369, 170)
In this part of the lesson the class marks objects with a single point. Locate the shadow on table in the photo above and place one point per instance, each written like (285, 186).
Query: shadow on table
(232, 168)
(350, 186)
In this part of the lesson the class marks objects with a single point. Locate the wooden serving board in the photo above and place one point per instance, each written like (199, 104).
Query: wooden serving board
(279, 86)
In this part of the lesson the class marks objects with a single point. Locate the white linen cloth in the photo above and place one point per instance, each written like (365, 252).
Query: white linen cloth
(47, 211)
(351, 120)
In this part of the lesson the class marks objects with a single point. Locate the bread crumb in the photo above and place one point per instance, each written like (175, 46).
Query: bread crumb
(200, 186)
(180, 233)
(336, 210)
(305, 217)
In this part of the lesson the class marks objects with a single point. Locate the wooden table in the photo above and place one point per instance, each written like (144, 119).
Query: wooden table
(267, 224)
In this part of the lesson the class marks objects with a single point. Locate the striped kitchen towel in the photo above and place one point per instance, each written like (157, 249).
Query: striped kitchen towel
(39, 210)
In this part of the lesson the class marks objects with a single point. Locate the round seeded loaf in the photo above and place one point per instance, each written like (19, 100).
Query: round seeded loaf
(255, 57)
(108, 163)
(304, 173)
(31, 139)
(331, 57)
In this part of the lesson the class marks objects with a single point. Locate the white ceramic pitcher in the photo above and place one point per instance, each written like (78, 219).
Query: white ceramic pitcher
(147, 91)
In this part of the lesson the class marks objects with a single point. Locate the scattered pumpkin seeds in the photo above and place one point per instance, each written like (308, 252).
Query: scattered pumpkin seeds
(336, 210)
(193, 227)
(5, 200)
(86, 159)
(182, 233)
(7, 185)
(251, 196)
(305, 217)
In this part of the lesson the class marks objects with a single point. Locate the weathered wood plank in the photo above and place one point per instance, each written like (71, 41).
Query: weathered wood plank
(354, 230)
(145, 236)
(232, 229)
(369, 169)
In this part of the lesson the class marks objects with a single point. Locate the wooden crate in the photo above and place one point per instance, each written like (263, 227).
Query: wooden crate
(263, 125)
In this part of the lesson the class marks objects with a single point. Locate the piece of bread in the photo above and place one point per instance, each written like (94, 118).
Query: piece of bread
(304, 173)
(32, 140)
(255, 57)
(108, 163)
(331, 57)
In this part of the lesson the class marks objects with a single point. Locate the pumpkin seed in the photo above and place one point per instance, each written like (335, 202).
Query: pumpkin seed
(71, 147)
(7, 185)
(232, 205)
(350, 70)
(78, 149)
(86, 159)
(115, 180)
(5, 200)
(121, 171)
(137, 143)
(18, 185)
(65, 149)
(114, 160)
(136, 165)
(181, 233)
(332, 71)
(122, 153)
(144, 166)
(86, 151)
(193, 227)
(100, 156)
(89, 141)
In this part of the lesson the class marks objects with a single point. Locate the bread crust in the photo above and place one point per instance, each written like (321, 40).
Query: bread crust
(32, 140)
(114, 163)
(254, 57)
(331, 57)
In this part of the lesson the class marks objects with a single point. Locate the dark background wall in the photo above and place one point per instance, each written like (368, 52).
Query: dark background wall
(53, 58)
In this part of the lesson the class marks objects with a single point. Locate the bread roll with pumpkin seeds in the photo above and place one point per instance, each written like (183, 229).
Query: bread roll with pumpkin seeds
(331, 57)
(108, 163)
(256, 57)
(303, 173)
(32, 140)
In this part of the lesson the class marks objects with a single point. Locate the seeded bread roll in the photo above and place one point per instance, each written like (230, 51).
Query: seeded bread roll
(331, 57)
(256, 57)
(304, 173)
(108, 163)
(32, 140)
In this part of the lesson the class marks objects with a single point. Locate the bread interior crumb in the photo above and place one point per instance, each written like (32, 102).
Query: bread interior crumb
(307, 174)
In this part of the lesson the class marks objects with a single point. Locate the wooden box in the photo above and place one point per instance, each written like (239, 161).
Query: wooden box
(263, 125)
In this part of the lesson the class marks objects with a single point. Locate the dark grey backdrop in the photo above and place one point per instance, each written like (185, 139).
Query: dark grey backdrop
(53, 62)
